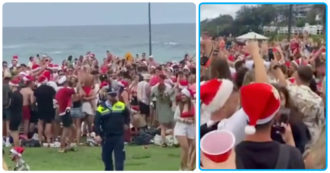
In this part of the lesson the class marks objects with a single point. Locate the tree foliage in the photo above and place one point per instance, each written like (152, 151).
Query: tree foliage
(253, 18)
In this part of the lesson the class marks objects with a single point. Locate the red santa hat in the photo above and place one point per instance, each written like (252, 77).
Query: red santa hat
(103, 84)
(260, 102)
(292, 80)
(104, 69)
(214, 94)
(47, 74)
(183, 83)
(35, 67)
(288, 64)
(54, 67)
(27, 78)
(123, 83)
(42, 79)
(299, 62)
(17, 151)
(23, 73)
(231, 58)
(15, 58)
(15, 81)
(323, 51)
(173, 78)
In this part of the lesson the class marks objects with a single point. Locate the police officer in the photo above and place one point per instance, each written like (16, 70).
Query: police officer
(112, 117)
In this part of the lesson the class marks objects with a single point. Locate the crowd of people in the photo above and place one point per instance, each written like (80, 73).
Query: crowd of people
(270, 95)
(60, 105)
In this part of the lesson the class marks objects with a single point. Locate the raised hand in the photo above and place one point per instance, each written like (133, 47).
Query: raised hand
(253, 48)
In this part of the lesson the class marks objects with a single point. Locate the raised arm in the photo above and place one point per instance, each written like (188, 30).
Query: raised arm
(260, 70)
(279, 74)
(312, 59)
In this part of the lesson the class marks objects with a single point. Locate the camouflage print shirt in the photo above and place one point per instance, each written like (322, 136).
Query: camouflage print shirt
(311, 106)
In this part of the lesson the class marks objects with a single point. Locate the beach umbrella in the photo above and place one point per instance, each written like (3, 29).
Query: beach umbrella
(252, 36)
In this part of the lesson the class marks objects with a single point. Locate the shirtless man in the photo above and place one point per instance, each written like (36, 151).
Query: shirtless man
(28, 100)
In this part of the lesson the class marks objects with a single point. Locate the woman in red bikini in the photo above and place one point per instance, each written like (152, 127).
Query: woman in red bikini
(184, 129)
(87, 83)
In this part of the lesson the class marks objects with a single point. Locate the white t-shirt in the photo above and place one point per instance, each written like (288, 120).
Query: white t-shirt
(235, 124)
(143, 92)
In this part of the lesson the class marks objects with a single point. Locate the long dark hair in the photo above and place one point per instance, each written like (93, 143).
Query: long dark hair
(181, 104)
(295, 114)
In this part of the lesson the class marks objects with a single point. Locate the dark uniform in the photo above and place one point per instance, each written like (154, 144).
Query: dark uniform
(109, 124)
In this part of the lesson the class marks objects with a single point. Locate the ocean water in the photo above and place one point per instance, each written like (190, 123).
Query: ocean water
(169, 41)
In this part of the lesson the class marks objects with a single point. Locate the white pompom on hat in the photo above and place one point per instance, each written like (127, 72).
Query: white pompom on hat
(260, 102)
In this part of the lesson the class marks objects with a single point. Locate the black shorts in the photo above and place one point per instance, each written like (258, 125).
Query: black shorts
(144, 108)
(15, 120)
(66, 119)
(46, 116)
(34, 117)
(5, 114)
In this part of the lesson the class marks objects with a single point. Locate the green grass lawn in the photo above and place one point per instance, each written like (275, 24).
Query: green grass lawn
(89, 158)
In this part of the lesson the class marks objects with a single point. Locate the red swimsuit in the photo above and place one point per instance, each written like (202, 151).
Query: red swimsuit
(189, 114)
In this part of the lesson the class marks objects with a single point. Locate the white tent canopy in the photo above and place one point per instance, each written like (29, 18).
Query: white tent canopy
(252, 36)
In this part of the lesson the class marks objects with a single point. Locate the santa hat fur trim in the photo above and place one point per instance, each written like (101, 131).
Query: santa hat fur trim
(219, 89)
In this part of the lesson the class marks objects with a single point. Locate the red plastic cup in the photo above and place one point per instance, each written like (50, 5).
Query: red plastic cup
(217, 145)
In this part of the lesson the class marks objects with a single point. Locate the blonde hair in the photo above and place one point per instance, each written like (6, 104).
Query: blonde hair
(315, 156)
(249, 77)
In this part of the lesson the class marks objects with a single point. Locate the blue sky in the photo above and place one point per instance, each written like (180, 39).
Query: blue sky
(68, 14)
